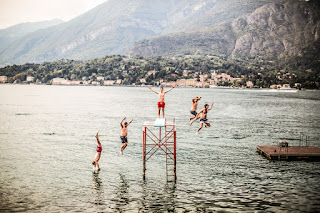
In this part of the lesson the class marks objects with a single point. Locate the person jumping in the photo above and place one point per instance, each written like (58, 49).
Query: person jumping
(203, 117)
(194, 108)
(99, 150)
(124, 133)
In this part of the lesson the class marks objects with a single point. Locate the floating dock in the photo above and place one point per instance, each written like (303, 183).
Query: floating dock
(308, 153)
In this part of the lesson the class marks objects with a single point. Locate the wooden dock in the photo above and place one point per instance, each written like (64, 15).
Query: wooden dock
(308, 153)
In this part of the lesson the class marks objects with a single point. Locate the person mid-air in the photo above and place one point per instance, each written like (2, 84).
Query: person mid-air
(99, 150)
(124, 133)
(203, 117)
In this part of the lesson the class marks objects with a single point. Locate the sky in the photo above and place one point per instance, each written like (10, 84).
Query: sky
(14, 12)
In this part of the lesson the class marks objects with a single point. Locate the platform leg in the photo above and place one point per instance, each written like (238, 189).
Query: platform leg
(174, 156)
(144, 152)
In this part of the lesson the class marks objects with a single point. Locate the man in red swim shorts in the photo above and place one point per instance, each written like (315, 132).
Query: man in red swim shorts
(98, 155)
(161, 103)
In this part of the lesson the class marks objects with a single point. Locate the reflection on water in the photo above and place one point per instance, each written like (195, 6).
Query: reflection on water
(169, 190)
(97, 185)
(122, 194)
(158, 197)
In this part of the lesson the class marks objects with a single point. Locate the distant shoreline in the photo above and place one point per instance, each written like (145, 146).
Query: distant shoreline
(217, 87)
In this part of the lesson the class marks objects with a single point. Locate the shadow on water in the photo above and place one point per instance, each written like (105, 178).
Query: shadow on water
(158, 200)
(97, 185)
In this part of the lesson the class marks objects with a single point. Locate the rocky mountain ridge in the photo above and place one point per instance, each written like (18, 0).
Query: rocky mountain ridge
(276, 30)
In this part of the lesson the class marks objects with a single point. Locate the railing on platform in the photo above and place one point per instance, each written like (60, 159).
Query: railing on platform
(307, 140)
(166, 141)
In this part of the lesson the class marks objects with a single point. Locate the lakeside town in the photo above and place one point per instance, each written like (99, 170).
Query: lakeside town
(182, 71)
(205, 81)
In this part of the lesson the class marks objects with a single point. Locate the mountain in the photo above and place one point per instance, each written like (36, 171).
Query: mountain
(114, 26)
(190, 16)
(16, 32)
(276, 30)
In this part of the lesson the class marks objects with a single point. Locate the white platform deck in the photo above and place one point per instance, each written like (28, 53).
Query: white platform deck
(159, 122)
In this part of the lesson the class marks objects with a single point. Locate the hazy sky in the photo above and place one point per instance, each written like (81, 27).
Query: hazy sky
(19, 11)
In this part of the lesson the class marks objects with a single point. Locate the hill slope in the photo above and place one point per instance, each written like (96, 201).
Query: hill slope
(11, 34)
(113, 27)
(276, 30)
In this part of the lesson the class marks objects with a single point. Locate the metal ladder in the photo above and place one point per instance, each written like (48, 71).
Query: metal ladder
(171, 155)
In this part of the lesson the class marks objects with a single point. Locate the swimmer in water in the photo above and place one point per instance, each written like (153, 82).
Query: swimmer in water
(194, 107)
(161, 103)
(98, 155)
(124, 133)
(203, 117)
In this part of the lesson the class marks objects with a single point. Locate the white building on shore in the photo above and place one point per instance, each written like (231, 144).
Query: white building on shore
(30, 78)
(3, 79)
(249, 84)
(59, 81)
(142, 80)
(100, 78)
(109, 82)
(95, 83)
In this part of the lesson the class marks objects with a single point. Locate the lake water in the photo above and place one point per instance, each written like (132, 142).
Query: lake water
(47, 145)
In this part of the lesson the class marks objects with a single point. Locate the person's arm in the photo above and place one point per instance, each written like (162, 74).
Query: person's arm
(196, 99)
(169, 89)
(153, 90)
(122, 121)
(211, 106)
(130, 122)
(199, 113)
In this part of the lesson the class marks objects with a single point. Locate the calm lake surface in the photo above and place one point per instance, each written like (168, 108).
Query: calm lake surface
(47, 145)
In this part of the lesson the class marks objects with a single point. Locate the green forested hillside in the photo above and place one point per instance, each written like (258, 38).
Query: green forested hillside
(130, 70)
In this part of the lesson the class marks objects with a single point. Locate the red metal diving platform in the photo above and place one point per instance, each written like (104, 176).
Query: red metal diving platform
(160, 135)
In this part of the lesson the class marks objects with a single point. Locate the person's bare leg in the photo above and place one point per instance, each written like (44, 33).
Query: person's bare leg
(159, 112)
(195, 118)
(201, 125)
(123, 147)
(191, 122)
(163, 112)
(97, 137)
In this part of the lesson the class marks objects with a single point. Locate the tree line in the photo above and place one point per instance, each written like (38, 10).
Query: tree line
(261, 72)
